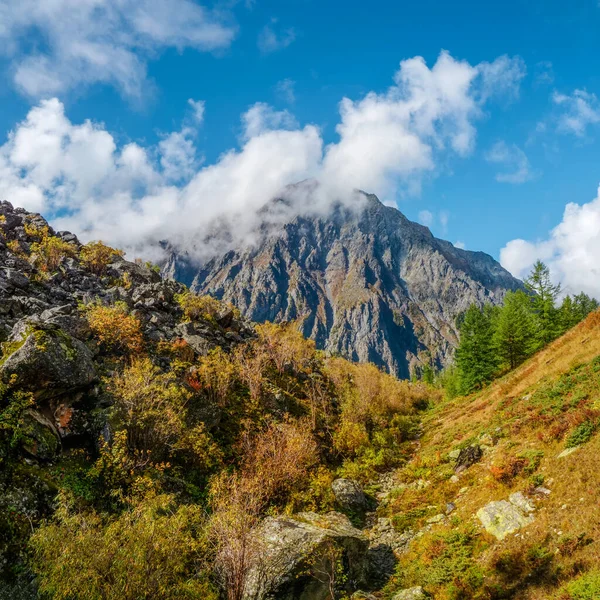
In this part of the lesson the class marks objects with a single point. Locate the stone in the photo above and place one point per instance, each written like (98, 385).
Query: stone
(519, 500)
(349, 495)
(414, 593)
(436, 519)
(568, 451)
(39, 436)
(467, 457)
(195, 338)
(292, 547)
(47, 362)
(454, 454)
(450, 507)
(501, 518)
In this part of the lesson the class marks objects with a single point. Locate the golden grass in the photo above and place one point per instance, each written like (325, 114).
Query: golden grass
(529, 413)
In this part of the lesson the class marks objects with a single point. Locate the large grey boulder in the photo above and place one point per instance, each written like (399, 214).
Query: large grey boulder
(414, 593)
(349, 495)
(299, 554)
(501, 518)
(46, 360)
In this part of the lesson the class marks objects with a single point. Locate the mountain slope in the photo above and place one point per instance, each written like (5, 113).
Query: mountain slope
(368, 284)
(524, 452)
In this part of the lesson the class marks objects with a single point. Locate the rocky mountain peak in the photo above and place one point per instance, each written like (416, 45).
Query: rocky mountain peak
(361, 280)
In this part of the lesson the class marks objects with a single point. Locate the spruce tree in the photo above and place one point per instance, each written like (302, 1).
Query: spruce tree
(544, 294)
(583, 305)
(476, 356)
(514, 329)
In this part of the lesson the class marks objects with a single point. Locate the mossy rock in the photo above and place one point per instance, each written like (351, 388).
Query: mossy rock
(47, 362)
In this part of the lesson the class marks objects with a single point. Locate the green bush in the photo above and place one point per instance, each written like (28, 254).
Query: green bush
(581, 434)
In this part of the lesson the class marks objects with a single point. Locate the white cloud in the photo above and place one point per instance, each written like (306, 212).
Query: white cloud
(515, 161)
(579, 110)
(261, 118)
(198, 107)
(572, 250)
(426, 218)
(285, 90)
(133, 196)
(270, 39)
(100, 41)
(502, 78)
(460, 245)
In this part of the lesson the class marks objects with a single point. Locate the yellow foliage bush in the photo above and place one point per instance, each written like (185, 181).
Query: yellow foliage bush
(117, 330)
(286, 346)
(96, 256)
(198, 307)
(154, 549)
(49, 251)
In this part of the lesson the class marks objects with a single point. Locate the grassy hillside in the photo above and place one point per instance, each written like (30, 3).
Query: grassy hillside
(523, 422)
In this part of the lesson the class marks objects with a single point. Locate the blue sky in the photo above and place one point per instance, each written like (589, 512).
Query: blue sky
(534, 148)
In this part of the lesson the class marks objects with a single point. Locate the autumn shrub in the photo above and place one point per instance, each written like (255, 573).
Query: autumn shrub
(216, 374)
(96, 256)
(118, 331)
(151, 406)
(198, 307)
(153, 549)
(280, 457)
(48, 253)
(286, 347)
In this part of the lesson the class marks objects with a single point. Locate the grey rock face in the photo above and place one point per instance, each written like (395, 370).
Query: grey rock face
(297, 555)
(368, 284)
(48, 362)
(349, 495)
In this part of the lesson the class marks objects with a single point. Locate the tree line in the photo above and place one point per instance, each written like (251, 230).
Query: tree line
(494, 339)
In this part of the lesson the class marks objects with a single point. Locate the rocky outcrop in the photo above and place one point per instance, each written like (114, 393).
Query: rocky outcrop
(349, 495)
(46, 360)
(300, 556)
(501, 518)
(368, 284)
(46, 343)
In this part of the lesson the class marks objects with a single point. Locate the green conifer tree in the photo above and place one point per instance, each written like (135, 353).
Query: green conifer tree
(476, 356)
(544, 294)
(514, 329)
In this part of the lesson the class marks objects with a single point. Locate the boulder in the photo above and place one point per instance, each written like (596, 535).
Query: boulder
(414, 593)
(46, 361)
(501, 518)
(196, 338)
(298, 555)
(39, 437)
(349, 495)
(468, 456)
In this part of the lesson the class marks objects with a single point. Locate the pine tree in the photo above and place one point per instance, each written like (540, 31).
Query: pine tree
(476, 356)
(568, 314)
(583, 305)
(544, 294)
(514, 329)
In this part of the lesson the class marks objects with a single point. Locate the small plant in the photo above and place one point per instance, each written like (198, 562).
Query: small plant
(96, 256)
(48, 253)
(117, 330)
(198, 307)
(581, 434)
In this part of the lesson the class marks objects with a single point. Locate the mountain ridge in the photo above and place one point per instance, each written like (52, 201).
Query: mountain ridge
(366, 283)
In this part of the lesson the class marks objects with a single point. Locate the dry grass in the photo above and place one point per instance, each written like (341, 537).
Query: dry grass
(532, 411)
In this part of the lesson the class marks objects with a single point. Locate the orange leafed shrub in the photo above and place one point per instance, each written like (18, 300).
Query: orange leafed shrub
(96, 256)
(116, 329)
(49, 252)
